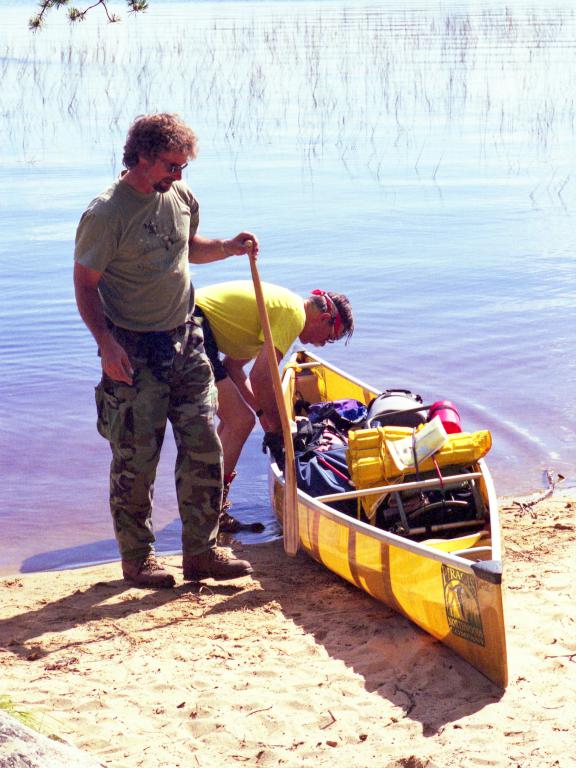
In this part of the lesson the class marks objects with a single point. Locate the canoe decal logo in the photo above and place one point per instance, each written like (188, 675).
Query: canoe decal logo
(462, 608)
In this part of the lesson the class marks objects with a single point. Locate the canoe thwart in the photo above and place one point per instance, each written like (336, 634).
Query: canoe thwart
(415, 485)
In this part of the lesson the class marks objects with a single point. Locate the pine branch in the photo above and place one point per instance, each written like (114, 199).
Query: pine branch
(77, 14)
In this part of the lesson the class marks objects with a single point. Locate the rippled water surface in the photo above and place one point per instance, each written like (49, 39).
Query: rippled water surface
(417, 157)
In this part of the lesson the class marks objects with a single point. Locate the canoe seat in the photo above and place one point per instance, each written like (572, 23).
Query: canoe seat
(475, 553)
(458, 545)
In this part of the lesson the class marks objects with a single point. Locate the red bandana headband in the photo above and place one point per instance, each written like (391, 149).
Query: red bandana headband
(333, 311)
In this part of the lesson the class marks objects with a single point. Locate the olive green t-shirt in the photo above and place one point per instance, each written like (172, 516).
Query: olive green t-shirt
(139, 242)
(232, 312)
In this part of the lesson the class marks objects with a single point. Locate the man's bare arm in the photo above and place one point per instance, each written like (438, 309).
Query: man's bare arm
(115, 361)
(203, 250)
(263, 390)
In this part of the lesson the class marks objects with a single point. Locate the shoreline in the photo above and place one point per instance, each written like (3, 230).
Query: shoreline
(293, 666)
(249, 540)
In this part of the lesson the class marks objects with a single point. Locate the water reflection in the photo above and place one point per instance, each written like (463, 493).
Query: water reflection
(374, 85)
(168, 542)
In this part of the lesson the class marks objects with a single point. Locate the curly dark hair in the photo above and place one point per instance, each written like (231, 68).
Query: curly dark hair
(151, 134)
(342, 304)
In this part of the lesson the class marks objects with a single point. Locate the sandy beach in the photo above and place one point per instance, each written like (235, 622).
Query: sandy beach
(294, 667)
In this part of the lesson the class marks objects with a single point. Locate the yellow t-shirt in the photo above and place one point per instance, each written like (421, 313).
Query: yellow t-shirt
(232, 312)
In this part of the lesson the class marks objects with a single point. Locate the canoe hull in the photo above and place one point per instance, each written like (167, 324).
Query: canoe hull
(455, 599)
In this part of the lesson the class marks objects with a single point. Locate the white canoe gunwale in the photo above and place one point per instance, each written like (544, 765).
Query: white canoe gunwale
(489, 569)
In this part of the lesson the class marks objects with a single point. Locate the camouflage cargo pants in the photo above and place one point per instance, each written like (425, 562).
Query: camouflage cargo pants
(173, 381)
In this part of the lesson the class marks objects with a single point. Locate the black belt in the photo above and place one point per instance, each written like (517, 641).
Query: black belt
(170, 331)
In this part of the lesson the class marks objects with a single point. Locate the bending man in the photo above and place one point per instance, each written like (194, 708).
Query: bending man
(232, 328)
(134, 293)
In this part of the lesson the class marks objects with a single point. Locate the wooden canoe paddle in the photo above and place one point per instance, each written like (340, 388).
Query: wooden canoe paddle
(290, 516)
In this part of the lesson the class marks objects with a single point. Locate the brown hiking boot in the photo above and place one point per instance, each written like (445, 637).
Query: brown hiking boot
(217, 563)
(227, 523)
(147, 572)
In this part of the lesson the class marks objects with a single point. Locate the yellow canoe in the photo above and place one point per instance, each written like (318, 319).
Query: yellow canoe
(449, 584)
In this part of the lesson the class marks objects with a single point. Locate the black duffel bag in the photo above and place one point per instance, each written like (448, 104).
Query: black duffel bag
(319, 473)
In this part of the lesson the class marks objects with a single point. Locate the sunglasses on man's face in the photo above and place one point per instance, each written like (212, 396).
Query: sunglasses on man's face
(173, 168)
(333, 338)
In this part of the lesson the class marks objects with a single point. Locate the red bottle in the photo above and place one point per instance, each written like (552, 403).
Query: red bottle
(448, 414)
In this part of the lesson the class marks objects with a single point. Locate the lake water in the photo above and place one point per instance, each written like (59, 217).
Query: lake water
(416, 156)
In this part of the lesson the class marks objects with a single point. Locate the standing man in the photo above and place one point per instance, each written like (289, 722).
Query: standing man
(231, 326)
(133, 291)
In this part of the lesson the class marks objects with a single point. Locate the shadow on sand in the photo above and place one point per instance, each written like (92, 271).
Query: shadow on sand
(396, 659)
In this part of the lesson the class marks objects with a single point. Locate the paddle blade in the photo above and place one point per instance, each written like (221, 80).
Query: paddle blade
(290, 516)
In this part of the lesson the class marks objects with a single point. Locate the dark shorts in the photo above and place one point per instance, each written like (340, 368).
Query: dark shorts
(210, 347)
